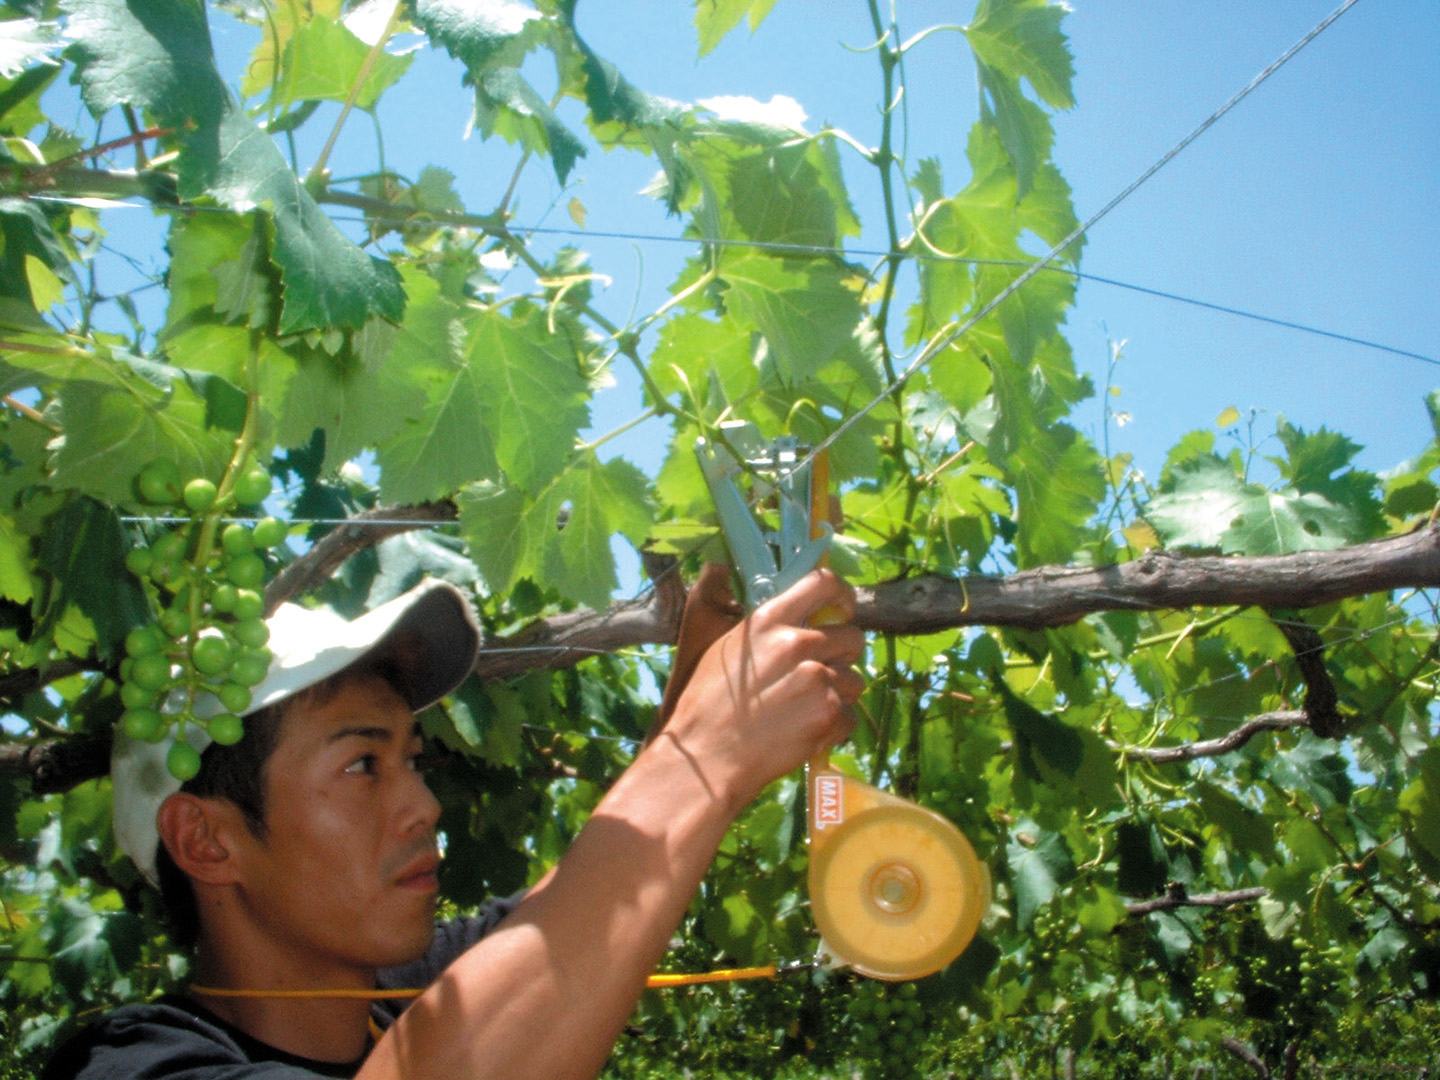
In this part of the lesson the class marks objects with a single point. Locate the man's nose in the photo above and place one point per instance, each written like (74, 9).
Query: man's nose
(420, 810)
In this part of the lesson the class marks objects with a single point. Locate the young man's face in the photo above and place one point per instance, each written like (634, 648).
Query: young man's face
(345, 877)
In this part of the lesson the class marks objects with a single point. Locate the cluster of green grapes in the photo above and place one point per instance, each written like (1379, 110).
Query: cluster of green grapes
(209, 636)
(888, 1024)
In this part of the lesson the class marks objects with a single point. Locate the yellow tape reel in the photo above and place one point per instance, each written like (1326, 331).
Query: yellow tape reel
(895, 889)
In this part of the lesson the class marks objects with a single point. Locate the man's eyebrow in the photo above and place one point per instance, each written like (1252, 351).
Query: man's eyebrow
(374, 733)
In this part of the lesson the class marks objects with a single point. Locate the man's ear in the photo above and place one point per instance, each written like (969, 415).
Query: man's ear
(198, 833)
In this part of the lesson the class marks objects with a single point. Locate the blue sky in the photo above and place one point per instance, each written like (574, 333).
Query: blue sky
(1314, 201)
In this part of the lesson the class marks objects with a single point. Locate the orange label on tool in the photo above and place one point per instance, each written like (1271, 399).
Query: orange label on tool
(829, 800)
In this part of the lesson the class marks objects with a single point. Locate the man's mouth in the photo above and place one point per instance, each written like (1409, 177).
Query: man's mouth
(420, 873)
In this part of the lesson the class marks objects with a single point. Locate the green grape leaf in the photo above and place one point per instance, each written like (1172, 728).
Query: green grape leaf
(1279, 522)
(15, 581)
(482, 36)
(328, 62)
(1024, 128)
(1249, 830)
(281, 23)
(1037, 869)
(84, 554)
(508, 106)
(507, 398)
(693, 351)
(357, 405)
(1204, 504)
(155, 53)
(611, 98)
(329, 283)
(1023, 40)
(790, 194)
(1013, 40)
(1058, 485)
(716, 18)
(562, 536)
(533, 398)
(199, 244)
(1420, 803)
(500, 531)
(448, 444)
(25, 234)
(109, 436)
(605, 499)
(492, 41)
(805, 315)
(160, 57)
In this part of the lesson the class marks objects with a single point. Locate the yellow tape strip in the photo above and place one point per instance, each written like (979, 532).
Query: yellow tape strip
(654, 982)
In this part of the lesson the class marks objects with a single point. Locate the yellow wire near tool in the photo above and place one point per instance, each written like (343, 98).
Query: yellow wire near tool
(662, 981)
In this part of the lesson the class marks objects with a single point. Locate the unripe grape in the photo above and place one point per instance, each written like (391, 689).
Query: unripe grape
(170, 547)
(183, 761)
(250, 668)
(235, 697)
(159, 483)
(236, 539)
(151, 671)
(249, 604)
(139, 561)
(224, 597)
(226, 729)
(144, 640)
(143, 724)
(246, 571)
(175, 621)
(135, 696)
(252, 633)
(199, 494)
(269, 532)
(252, 487)
(211, 655)
(164, 573)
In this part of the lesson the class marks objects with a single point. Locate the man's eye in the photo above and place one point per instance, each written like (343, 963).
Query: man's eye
(364, 765)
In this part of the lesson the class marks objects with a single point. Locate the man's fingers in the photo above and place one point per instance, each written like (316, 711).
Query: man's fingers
(818, 593)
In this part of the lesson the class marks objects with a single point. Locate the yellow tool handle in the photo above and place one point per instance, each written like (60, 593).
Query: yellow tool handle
(819, 514)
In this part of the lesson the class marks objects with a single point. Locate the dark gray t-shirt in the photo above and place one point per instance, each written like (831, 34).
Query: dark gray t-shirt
(175, 1038)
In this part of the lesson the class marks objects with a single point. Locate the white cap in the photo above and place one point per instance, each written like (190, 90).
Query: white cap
(309, 645)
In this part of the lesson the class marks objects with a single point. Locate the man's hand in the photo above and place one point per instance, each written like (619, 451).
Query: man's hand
(773, 692)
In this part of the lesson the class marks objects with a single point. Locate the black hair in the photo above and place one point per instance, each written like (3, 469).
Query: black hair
(237, 774)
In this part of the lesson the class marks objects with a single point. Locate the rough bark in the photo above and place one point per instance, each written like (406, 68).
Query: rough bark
(1056, 596)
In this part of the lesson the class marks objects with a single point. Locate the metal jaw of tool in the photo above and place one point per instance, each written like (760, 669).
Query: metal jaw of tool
(767, 561)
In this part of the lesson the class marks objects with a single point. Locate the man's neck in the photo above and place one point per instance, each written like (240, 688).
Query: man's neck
(277, 1010)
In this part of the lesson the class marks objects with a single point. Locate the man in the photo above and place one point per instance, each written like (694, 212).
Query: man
(329, 884)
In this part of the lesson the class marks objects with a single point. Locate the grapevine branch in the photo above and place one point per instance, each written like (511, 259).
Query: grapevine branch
(1233, 740)
(1033, 599)
(1176, 896)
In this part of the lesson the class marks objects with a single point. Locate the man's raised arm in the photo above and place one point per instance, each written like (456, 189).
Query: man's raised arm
(547, 993)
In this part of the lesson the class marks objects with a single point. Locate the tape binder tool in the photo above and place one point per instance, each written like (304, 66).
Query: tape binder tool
(896, 890)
